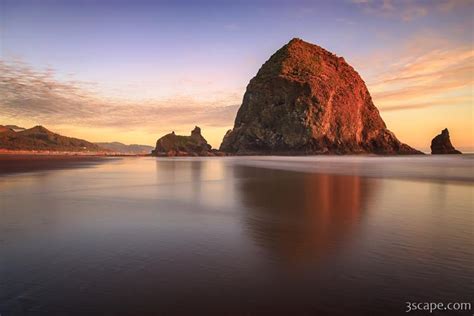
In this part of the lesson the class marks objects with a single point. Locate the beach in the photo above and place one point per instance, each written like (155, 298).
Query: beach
(290, 235)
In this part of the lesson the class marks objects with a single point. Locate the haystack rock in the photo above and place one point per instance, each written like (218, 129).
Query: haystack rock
(441, 144)
(306, 100)
(177, 145)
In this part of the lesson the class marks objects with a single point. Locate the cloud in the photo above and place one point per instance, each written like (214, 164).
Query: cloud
(408, 10)
(38, 96)
(426, 72)
(421, 105)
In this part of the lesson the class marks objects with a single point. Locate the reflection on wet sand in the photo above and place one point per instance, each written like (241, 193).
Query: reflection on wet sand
(28, 163)
(210, 236)
(301, 217)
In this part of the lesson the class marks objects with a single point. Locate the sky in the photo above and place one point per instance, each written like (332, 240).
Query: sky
(132, 71)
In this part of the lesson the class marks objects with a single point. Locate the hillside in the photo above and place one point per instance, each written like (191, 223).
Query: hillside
(126, 149)
(39, 138)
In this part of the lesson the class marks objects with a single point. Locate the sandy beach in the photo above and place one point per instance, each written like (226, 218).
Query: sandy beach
(14, 163)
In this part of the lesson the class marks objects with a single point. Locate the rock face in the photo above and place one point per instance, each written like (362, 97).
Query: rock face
(441, 144)
(176, 145)
(306, 100)
(39, 138)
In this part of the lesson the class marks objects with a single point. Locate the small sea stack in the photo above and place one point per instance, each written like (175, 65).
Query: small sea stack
(172, 145)
(441, 144)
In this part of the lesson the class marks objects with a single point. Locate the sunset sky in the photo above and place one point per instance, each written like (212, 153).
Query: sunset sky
(132, 71)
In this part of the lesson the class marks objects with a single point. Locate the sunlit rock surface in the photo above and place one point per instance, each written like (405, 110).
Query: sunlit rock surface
(306, 100)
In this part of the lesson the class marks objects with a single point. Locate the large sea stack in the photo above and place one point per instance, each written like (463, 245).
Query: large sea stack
(441, 144)
(306, 100)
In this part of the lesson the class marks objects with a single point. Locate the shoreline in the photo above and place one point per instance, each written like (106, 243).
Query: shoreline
(47, 153)
(20, 163)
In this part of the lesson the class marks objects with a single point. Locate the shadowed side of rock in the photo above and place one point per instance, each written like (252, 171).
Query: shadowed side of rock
(441, 144)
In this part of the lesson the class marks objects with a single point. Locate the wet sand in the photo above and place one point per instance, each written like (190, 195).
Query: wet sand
(12, 163)
(220, 236)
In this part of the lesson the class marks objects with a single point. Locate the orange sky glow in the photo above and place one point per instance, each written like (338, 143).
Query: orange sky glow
(421, 82)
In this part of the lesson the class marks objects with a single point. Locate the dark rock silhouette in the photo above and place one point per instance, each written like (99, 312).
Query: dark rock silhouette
(441, 144)
(306, 100)
(177, 145)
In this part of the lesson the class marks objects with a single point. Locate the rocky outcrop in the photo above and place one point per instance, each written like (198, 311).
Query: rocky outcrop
(306, 100)
(441, 144)
(176, 145)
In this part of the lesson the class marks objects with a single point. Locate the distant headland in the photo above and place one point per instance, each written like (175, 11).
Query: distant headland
(40, 140)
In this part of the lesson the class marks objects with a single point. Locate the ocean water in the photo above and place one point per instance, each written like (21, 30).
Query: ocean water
(237, 236)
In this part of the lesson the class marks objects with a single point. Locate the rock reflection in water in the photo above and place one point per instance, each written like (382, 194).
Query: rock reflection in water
(301, 217)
